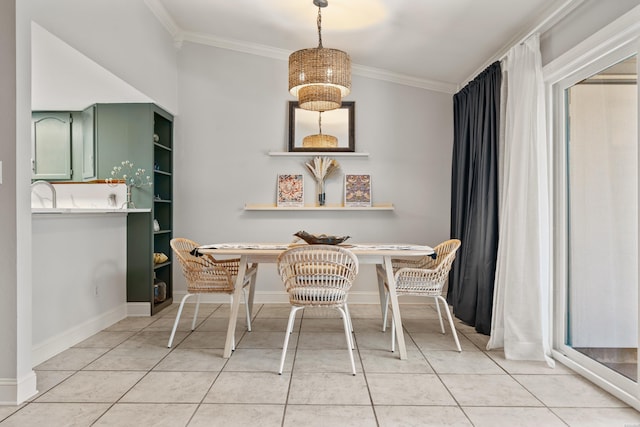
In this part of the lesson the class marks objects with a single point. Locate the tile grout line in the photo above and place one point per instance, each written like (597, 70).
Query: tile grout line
(366, 380)
(458, 405)
(467, 333)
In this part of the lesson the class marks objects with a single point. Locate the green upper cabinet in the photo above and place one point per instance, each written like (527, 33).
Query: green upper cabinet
(51, 145)
(123, 132)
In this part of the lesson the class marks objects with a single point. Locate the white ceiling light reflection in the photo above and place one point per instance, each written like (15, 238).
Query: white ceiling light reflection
(341, 15)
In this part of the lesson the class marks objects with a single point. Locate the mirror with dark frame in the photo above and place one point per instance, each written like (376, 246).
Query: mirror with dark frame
(328, 131)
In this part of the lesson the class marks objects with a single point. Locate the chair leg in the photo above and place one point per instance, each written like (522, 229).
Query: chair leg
(292, 316)
(195, 314)
(246, 306)
(346, 309)
(347, 334)
(175, 324)
(439, 315)
(386, 311)
(453, 328)
(351, 341)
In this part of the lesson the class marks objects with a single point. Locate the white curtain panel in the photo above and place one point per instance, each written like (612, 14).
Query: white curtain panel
(520, 321)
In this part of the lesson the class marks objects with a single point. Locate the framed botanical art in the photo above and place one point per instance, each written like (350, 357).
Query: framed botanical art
(357, 190)
(290, 190)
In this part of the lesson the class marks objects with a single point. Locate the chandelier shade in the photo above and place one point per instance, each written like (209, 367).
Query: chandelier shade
(319, 77)
(319, 98)
(320, 141)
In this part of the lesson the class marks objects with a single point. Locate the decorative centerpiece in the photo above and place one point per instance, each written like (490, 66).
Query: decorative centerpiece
(129, 176)
(322, 168)
(320, 239)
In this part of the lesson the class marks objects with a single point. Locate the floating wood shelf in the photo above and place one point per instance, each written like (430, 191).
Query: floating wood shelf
(318, 153)
(328, 207)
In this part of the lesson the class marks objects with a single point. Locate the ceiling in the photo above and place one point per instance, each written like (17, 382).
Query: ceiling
(436, 44)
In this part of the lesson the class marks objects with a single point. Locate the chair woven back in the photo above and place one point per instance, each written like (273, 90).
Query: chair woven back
(317, 275)
(428, 281)
(204, 274)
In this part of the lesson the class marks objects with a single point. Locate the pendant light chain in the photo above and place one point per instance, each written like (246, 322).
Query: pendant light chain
(319, 139)
(319, 27)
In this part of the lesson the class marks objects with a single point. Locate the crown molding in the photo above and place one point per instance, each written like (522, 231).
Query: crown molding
(540, 24)
(239, 46)
(181, 36)
(281, 54)
(403, 79)
(166, 20)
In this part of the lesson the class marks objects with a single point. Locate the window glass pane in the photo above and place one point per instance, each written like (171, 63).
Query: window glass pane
(603, 217)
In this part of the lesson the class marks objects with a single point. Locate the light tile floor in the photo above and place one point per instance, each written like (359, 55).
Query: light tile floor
(126, 376)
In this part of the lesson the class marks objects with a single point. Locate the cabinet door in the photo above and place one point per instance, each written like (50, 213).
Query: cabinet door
(51, 145)
(89, 144)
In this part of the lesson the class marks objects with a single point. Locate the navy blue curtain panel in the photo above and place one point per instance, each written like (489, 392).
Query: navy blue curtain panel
(474, 198)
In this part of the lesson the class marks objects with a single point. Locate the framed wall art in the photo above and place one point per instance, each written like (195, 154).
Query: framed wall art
(290, 190)
(357, 190)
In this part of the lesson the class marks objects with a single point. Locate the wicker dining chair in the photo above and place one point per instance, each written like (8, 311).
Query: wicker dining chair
(425, 276)
(206, 275)
(318, 276)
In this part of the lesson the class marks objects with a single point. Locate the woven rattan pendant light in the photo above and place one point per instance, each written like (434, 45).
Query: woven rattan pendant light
(320, 76)
(319, 140)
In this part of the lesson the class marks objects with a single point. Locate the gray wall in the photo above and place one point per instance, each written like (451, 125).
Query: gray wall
(8, 237)
(233, 110)
(123, 36)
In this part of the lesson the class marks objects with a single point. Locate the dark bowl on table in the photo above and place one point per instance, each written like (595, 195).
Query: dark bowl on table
(320, 239)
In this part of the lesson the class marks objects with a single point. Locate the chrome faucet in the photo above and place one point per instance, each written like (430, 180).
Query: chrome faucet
(51, 187)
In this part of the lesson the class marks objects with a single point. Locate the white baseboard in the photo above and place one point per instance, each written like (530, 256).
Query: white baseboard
(71, 337)
(138, 309)
(15, 391)
(278, 297)
(259, 298)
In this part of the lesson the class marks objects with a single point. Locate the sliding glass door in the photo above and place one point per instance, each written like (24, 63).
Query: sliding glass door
(603, 217)
(596, 298)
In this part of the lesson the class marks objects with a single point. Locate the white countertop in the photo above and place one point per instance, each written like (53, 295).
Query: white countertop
(85, 210)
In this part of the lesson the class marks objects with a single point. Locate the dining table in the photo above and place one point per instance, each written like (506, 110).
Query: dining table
(367, 253)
